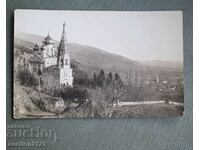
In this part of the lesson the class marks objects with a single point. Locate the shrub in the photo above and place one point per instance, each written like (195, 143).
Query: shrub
(26, 78)
(82, 82)
(74, 94)
(82, 79)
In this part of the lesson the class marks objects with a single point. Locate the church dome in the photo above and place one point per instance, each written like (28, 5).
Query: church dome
(48, 40)
(36, 47)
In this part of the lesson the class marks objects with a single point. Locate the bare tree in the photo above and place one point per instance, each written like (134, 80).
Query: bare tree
(113, 93)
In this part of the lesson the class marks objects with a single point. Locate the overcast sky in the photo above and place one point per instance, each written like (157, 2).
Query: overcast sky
(138, 35)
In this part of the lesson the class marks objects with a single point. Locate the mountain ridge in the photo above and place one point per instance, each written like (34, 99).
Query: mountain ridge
(38, 39)
(91, 59)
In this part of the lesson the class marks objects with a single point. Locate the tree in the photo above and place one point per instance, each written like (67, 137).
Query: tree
(113, 93)
(101, 79)
(72, 94)
(130, 78)
(82, 80)
(39, 73)
(117, 89)
(109, 79)
(94, 80)
(117, 81)
(26, 78)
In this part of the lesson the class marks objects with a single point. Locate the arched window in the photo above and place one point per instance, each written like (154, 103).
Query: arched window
(61, 62)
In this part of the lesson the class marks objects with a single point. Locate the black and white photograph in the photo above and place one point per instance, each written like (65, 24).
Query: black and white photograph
(97, 64)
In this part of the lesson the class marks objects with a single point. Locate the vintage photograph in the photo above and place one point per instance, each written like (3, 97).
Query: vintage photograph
(97, 64)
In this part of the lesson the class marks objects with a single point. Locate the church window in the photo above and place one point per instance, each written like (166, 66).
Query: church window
(61, 62)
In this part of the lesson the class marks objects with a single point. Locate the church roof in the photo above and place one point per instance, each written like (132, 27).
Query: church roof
(36, 59)
(53, 67)
(63, 48)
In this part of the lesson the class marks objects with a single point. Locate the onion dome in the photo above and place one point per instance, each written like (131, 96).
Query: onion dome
(48, 40)
(36, 47)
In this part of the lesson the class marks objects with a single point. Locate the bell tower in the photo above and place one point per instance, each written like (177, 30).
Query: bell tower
(63, 60)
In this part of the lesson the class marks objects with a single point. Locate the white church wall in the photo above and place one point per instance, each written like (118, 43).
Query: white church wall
(56, 77)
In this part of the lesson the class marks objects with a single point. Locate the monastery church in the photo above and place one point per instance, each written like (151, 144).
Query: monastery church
(52, 64)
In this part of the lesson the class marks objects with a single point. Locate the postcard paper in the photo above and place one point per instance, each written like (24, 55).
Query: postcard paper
(96, 64)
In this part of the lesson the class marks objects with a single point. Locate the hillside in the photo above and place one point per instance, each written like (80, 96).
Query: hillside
(160, 64)
(89, 59)
(29, 37)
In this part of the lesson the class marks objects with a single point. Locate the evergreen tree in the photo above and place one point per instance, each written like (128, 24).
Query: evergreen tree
(39, 73)
(94, 80)
(101, 78)
(109, 78)
(117, 77)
